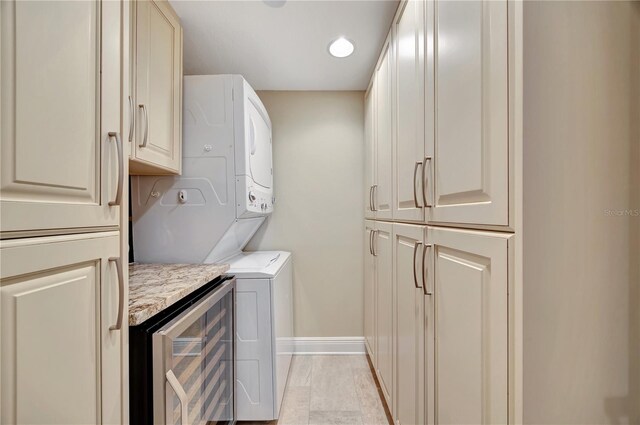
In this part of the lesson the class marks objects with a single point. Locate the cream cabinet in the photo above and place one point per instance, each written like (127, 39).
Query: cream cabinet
(61, 309)
(369, 150)
(409, 256)
(471, 165)
(382, 193)
(370, 291)
(60, 149)
(384, 323)
(469, 277)
(409, 159)
(156, 94)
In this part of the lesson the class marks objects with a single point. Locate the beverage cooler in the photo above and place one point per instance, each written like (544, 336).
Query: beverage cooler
(182, 364)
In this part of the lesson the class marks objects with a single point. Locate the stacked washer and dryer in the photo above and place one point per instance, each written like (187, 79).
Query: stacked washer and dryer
(209, 214)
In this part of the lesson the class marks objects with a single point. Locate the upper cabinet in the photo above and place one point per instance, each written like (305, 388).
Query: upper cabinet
(156, 94)
(409, 148)
(369, 150)
(470, 94)
(60, 116)
(441, 110)
(383, 188)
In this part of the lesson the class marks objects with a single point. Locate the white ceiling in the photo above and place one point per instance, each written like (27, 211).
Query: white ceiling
(283, 44)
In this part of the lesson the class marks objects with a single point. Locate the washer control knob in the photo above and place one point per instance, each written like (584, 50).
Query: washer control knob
(252, 197)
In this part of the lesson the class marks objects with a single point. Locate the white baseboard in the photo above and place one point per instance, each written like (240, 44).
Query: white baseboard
(328, 345)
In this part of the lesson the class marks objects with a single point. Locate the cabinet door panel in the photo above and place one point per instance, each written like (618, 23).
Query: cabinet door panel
(384, 134)
(59, 165)
(158, 85)
(369, 291)
(471, 170)
(408, 271)
(369, 150)
(471, 324)
(60, 362)
(409, 92)
(383, 246)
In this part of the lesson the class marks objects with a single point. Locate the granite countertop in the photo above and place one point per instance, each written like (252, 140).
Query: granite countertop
(154, 287)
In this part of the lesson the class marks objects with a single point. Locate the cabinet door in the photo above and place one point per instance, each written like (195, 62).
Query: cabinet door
(471, 353)
(471, 167)
(61, 363)
(408, 266)
(158, 88)
(60, 101)
(382, 194)
(408, 152)
(369, 291)
(369, 149)
(382, 248)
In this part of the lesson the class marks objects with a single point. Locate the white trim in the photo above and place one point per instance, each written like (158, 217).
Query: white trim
(342, 345)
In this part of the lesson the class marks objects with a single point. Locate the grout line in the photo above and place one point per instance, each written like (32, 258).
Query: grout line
(310, 389)
(355, 388)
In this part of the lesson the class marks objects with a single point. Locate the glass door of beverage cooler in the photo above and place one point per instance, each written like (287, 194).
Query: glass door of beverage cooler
(193, 363)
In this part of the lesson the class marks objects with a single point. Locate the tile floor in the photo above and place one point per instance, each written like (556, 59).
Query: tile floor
(327, 390)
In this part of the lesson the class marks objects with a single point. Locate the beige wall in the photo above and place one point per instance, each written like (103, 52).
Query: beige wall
(318, 170)
(581, 264)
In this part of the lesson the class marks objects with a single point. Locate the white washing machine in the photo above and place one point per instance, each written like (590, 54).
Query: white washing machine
(264, 331)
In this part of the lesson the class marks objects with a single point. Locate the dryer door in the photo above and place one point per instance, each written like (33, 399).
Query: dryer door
(259, 144)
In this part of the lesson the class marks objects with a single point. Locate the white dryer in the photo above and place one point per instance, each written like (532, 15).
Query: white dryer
(264, 331)
(212, 210)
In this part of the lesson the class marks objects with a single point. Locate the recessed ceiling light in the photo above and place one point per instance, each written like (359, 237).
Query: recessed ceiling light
(341, 48)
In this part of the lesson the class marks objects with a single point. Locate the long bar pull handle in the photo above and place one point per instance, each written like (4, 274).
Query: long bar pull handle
(182, 396)
(375, 243)
(424, 270)
(415, 188)
(375, 190)
(415, 276)
(371, 242)
(146, 126)
(424, 182)
(118, 324)
(114, 135)
(371, 198)
(132, 119)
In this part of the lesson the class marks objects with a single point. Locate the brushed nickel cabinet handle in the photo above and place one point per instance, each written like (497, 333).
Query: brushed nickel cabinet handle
(118, 324)
(415, 276)
(132, 117)
(425, 182)
(375, 191)
(371, 242)
(116, 136)
(371, 198)
(415, 188)
(146, 126)
(375, 243)
(424, 270)
(182, 396)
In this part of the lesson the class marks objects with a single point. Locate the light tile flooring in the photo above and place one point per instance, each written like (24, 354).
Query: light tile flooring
(325, 390)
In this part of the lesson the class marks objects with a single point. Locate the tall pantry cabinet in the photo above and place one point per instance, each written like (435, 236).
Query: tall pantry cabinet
(453, 231)
(63, 286)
